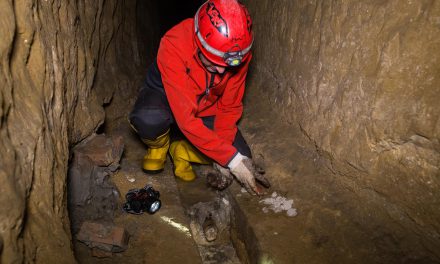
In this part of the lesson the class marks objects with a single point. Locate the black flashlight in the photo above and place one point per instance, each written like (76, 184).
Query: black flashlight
(142, 200)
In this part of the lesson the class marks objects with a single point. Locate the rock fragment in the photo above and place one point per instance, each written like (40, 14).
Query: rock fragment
(103, 237)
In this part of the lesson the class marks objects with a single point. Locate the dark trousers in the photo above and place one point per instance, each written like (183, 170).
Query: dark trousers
(152, 117)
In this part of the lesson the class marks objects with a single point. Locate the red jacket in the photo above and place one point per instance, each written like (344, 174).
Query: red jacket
(185, 81)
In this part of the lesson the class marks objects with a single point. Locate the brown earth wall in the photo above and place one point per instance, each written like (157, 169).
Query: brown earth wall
(60, 62)
(361, 80)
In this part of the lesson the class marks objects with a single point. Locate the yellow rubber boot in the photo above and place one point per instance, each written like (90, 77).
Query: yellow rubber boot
(183, 153)
(154, 159)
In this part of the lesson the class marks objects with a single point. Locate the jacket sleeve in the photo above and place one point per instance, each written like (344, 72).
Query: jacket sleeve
(183, 103)
(230, 106)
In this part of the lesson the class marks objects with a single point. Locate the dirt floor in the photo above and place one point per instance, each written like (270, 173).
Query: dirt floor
(329, 226)
(152, 238)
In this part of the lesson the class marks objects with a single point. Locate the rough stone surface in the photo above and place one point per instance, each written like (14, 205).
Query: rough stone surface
(103, 151)
(361, 80)
(60, 62)
(104, 237)
(218, 213)
(91, 194)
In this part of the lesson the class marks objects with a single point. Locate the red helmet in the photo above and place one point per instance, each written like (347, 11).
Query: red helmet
(223, 30)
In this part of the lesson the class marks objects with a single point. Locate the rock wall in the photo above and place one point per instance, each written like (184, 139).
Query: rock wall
(361, 80)
(60, 62)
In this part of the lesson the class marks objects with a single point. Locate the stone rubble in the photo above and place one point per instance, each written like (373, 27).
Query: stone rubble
(91, 194)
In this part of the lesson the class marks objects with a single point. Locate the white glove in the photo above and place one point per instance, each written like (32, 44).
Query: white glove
(246, 173)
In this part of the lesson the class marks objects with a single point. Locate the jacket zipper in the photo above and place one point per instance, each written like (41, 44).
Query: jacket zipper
(208, 87)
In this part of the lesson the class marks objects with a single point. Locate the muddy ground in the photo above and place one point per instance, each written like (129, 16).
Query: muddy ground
(331, 225)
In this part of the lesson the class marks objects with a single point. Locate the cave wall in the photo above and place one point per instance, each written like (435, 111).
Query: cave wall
(60, 62)
(361, 80)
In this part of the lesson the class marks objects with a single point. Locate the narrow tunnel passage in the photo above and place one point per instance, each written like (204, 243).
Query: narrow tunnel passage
(341, 109)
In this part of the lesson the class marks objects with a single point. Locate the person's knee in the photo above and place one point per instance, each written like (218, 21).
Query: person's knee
(150, 123)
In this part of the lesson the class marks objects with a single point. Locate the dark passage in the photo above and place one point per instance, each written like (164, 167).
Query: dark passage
(341, 110)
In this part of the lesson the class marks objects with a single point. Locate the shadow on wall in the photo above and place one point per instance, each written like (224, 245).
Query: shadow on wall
(172, 12)
(155, 18)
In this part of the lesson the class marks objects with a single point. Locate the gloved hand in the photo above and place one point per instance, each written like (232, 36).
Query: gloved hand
(247, 173)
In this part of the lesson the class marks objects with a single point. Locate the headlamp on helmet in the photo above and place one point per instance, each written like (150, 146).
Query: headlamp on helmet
(233, 58)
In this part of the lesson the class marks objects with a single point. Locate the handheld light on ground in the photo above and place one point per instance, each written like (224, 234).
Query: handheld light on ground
(142, 200)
